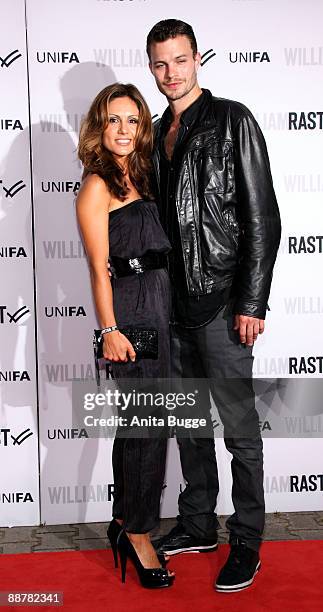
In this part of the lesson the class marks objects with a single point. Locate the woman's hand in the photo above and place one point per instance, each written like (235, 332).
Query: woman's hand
(116, 347)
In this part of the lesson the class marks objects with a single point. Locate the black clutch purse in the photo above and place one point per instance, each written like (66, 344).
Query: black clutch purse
(143, 340)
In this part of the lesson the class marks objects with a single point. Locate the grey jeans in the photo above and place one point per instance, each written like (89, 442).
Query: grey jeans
(215, 352)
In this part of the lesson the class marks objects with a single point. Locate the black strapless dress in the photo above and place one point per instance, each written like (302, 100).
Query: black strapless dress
(143, 300)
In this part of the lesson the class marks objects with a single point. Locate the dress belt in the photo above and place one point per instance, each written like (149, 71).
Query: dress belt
(137, 265)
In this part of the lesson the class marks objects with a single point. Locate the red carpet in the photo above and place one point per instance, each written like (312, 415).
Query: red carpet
(291, 580)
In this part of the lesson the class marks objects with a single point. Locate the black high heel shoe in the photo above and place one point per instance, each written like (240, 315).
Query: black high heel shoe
(149, 578)
(113, 533)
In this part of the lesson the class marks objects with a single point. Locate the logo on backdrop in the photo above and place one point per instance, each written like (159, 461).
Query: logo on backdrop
(67, 372)
(120, 57)
(306, 365)
(80, 494)
(8, 439)
(312, 120)
(249, 56)
(65, 311)
(67, 434)
(277, 484)
(12, 251)
(304, 56)
(64, 249)
(10, 58)
(60, 186)
(270, 367)
(60, 122)
(283, 366)
(12, 191)
(57, 57)
(14, 376)
(10, 124)
(303, 183)
(303, 305)
(207, 56)
(17, 317)
(274, 121)
(15, 497)
(306, 482)
(305, 244)
(296, 483)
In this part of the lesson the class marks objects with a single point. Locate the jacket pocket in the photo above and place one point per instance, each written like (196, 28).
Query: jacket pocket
(215, 167)
(231, 225)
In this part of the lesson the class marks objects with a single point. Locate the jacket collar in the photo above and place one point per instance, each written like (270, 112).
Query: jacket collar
(205, 115)
(205, 128)
(188, 116)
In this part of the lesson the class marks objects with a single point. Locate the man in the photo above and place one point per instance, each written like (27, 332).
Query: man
(218, 206)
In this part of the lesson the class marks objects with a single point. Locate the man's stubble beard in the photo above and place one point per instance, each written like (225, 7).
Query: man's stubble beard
(178, 96)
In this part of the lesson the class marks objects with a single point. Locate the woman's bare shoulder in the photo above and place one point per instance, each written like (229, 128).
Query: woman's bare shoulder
(94, 182)
(93, 190)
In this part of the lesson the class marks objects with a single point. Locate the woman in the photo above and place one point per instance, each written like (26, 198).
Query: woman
(119, 221)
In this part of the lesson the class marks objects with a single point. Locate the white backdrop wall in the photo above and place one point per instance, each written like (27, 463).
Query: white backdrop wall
(19, 480)
(267, 54)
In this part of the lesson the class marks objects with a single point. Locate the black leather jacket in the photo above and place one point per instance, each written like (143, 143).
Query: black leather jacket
(226, 205)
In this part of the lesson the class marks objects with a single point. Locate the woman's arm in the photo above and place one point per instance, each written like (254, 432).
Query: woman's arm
(92, 206)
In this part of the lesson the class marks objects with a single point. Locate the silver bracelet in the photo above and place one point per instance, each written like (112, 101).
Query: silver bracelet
(108, 330)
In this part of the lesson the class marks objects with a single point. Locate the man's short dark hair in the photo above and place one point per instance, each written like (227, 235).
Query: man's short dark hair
(170, 28)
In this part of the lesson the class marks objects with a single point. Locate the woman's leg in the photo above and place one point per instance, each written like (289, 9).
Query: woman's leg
(143, 471)
(117, 466)
(144, 467)
(144, 458)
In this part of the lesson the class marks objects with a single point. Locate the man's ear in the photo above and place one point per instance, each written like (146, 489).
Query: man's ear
(197, 59)
(150, 68)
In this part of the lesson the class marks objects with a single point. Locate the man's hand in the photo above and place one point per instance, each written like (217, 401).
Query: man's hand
(249, 328)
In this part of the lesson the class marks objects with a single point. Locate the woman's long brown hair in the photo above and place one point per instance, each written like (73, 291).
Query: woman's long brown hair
(97, 159)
